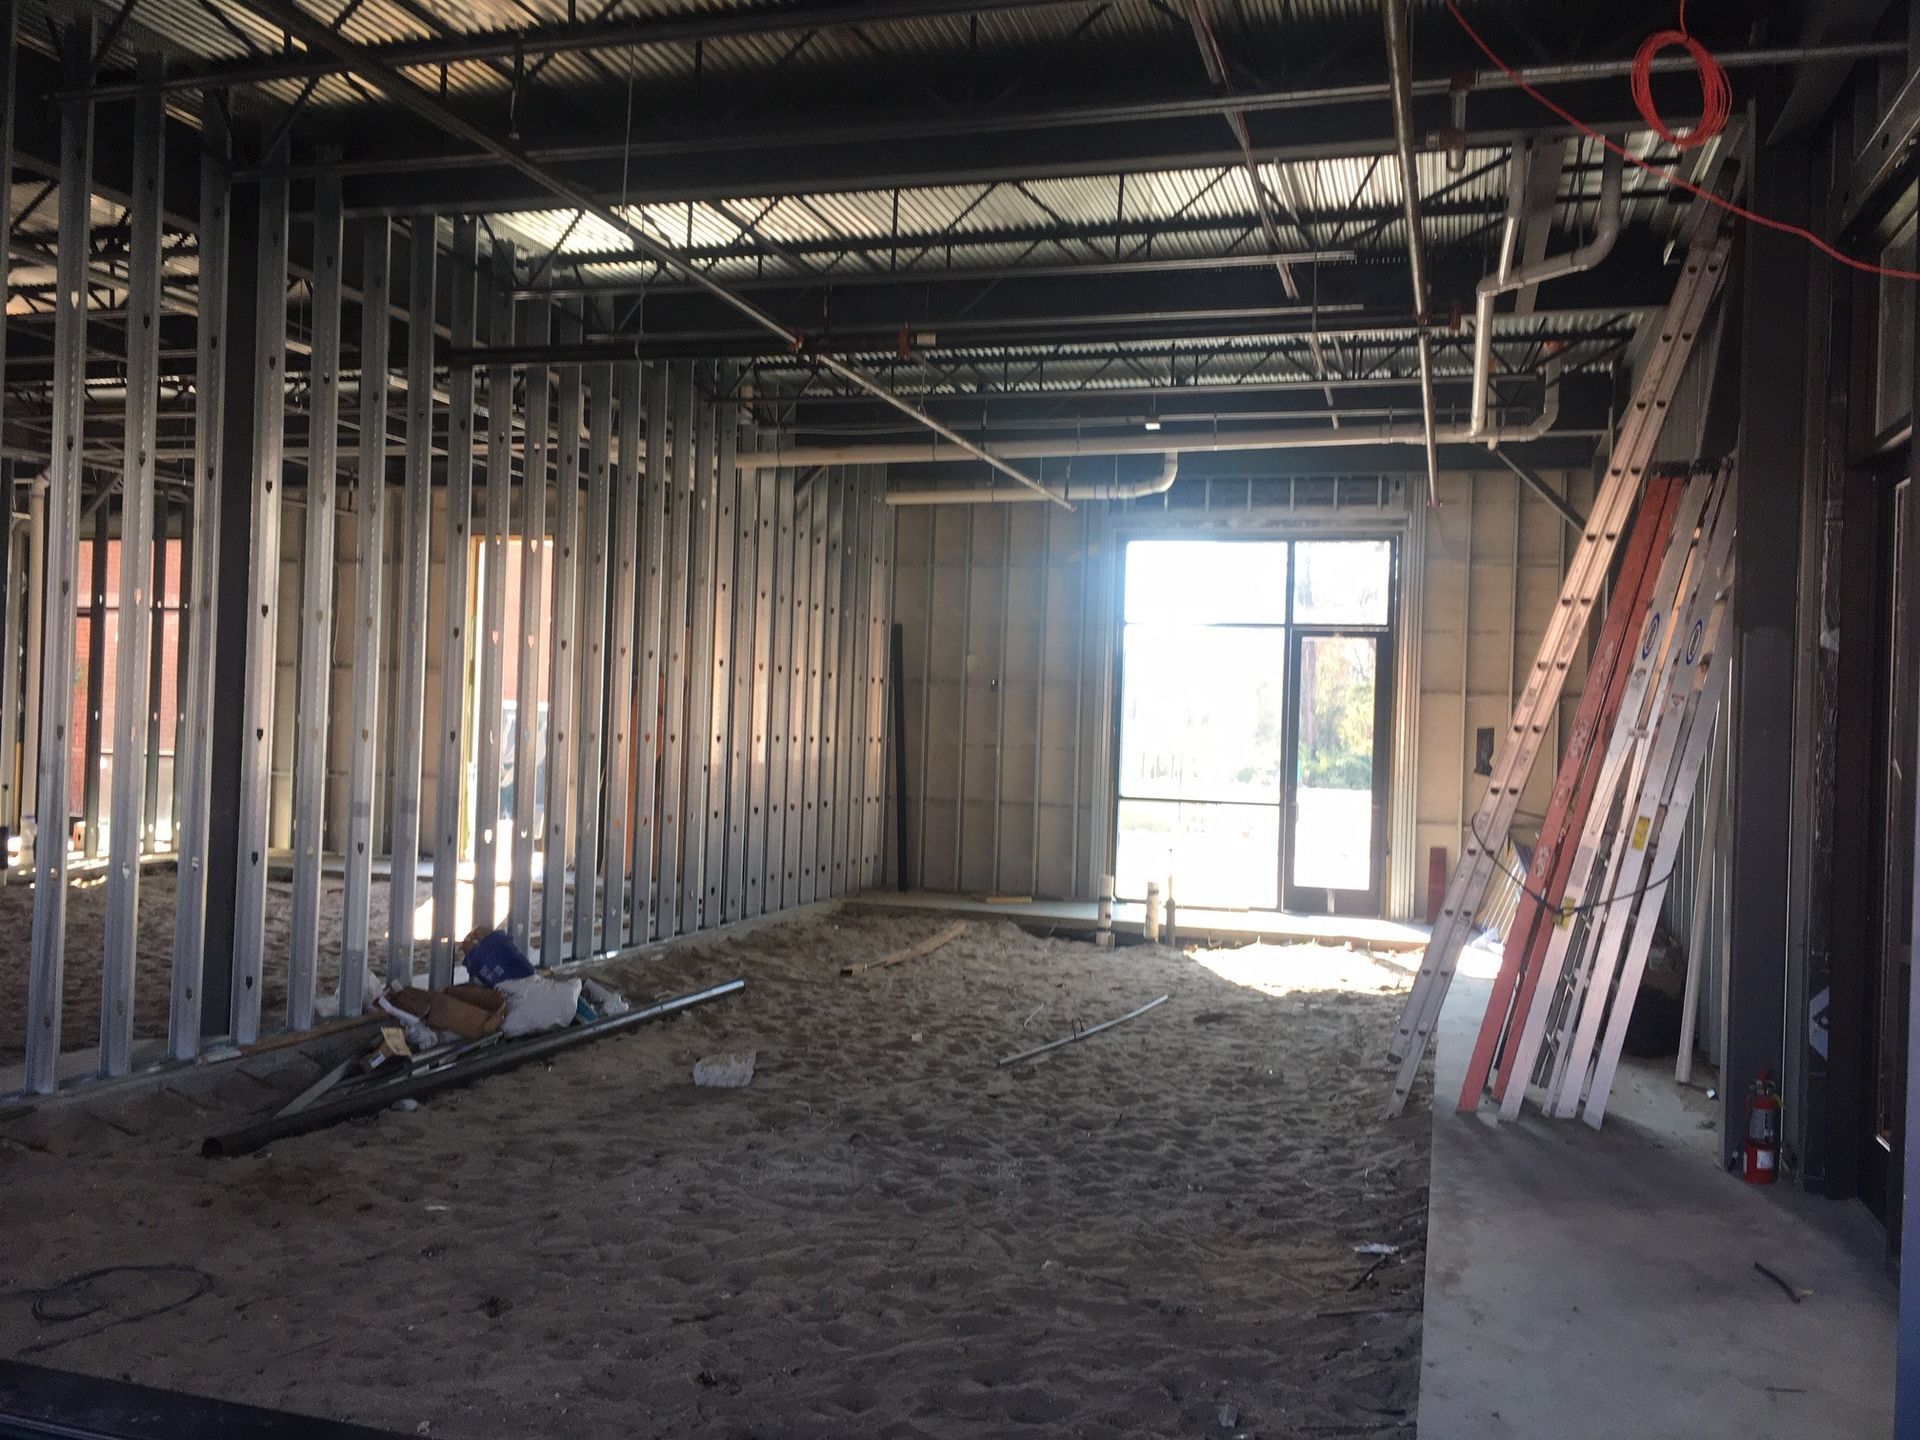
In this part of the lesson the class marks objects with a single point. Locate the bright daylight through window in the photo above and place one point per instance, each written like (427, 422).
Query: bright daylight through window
(1252, 705)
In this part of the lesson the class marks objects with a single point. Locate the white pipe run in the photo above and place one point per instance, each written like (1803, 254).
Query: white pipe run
(1508, 278)
(1090, 490)
(1170, 445)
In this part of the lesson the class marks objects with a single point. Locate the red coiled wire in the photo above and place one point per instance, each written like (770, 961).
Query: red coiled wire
(1716, 91)
(1660, 171)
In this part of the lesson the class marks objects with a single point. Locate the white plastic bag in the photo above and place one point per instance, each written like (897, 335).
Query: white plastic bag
(604, 1000)
(538, 1002)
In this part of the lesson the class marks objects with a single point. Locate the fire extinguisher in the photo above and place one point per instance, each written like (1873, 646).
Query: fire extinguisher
(1763, 1131)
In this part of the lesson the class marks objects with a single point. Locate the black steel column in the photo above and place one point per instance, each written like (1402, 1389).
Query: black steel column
(1773, 297)
(230, 612)
(1905, 1168)
(1839, 763)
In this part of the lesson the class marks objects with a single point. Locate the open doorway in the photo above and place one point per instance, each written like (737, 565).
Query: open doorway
(1255, 698)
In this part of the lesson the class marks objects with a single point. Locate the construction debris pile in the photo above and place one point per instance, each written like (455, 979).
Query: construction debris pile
(496, 989)
(498, 1012)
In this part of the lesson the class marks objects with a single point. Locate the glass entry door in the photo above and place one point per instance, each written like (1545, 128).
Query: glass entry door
(1253, 733)
(1336, 792)
(1203, 685)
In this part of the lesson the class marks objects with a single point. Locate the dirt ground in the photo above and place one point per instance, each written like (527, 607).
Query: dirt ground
(1148, 1233)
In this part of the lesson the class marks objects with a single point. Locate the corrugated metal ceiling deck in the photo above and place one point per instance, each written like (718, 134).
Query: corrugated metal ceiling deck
(1336, 203)
(1320, 200)
(1267, 34)
(1250, 360)
(1325, 204)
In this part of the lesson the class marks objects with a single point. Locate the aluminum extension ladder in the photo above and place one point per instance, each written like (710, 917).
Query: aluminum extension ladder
(1609, 669)
(1701, 276)
(1646, 782)
(1667, 598)
(1672, 823)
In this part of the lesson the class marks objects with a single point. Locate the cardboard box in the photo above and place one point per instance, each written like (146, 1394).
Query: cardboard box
(392, 1046)
(469, 1011)
(414, 1001)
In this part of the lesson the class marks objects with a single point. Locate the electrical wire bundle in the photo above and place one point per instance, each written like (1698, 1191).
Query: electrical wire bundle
(1717, 95)
(1716, 91)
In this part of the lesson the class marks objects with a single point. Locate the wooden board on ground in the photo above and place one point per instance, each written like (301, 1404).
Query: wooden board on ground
(913, 952)
(300, 1037)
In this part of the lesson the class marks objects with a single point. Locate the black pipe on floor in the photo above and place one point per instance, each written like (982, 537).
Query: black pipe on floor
(491, 1061)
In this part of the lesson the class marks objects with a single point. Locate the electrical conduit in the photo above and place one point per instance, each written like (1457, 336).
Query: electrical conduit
(1172, 446)
(1508, 277)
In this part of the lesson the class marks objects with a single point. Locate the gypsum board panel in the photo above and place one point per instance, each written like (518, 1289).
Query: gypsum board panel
(495, 1059)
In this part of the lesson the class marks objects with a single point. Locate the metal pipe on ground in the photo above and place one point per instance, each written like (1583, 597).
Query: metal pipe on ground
(491, 1061)
(1079, 1035)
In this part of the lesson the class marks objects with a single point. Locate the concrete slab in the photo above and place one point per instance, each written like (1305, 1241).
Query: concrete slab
(1601, 1284)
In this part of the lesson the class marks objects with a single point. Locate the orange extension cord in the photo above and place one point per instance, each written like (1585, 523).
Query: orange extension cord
(1716, 91)
(1697, 136)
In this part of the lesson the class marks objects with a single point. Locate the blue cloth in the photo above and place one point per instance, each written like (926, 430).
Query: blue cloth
(497, 958)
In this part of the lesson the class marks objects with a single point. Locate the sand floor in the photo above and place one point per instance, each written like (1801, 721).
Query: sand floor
(1151, 1232)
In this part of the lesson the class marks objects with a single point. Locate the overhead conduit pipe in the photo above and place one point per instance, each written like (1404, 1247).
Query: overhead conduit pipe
(1093, 490)
(1170, 444)
(1508, 277)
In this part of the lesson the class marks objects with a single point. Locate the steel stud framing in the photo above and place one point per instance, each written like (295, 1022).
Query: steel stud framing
(494, 652)
(411, 666)
(316, 611)
(534, 471)
(370, 500)
(622, 589)
(134, 660)
(561, 685)
(64, 479)
(451, 731)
